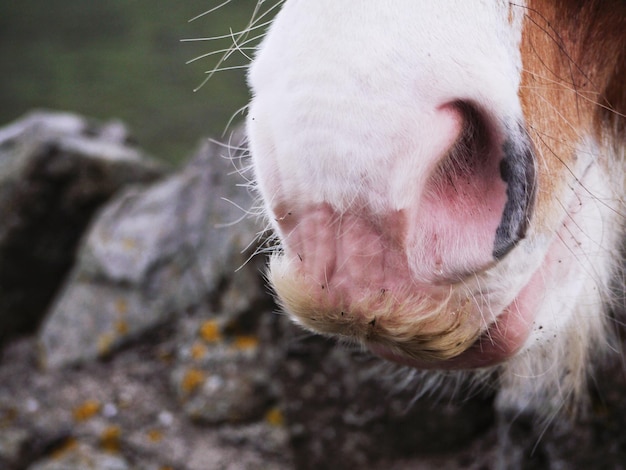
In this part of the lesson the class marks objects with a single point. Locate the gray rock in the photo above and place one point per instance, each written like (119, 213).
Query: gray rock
(220, 374)
(82, 457)
(123, 407)
(153, 253)
(56, 170)
(351, 406)
(13, 442)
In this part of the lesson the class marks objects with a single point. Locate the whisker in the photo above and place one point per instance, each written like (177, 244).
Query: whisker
(210, 11)
(219, 51)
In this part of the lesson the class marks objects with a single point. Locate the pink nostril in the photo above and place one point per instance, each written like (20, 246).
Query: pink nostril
(477, 201)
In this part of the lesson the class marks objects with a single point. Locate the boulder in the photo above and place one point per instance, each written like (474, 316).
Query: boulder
(56, 171)
(79, 456)
(153, 253)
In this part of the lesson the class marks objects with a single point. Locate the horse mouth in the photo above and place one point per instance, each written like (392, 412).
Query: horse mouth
(442, 329)
(449, 327)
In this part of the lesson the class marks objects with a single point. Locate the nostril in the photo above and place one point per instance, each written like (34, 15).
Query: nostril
(467, 180)
(478, 199)
(471, 160)
(480, 153)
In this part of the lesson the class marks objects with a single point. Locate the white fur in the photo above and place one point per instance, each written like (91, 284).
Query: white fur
(373, 86)
(570, 326)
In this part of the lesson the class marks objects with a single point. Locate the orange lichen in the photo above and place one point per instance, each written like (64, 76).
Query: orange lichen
(198, 350)
(121, 327)
(68, 445)
(165, 356)
(275, 417)
(246, 342)
(87, 410)
(192, 380)
(105, 341)
(129, 243)
(121, 306)
(155, 435)
(7, 416)
(110, 439)
(210, 331)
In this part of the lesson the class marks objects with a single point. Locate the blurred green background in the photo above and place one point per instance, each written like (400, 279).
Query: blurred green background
(124, 59)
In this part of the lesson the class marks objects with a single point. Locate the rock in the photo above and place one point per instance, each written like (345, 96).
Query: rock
(269, 437)
(155, 252)
(81, 457)
(123, 407)
(220, 373)
(226, 394)
(13, 442)
(354, 407)
(56, 170)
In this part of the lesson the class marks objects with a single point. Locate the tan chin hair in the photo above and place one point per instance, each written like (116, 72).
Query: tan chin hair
(416, 327)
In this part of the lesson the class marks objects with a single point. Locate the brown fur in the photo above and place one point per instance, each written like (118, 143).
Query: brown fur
(574, 62)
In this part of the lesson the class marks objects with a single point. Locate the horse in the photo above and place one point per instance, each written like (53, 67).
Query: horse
(446, 182)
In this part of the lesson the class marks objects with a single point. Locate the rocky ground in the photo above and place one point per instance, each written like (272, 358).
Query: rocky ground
(137, 333)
